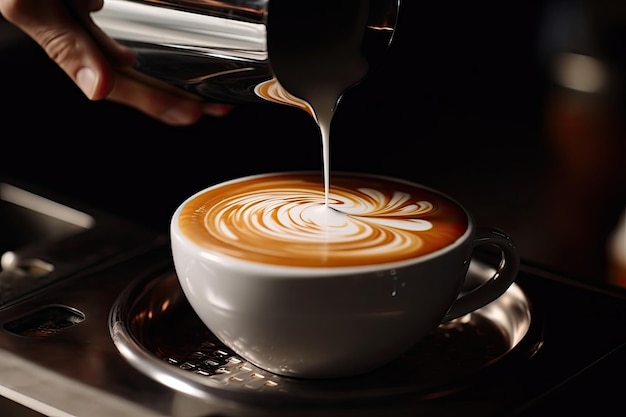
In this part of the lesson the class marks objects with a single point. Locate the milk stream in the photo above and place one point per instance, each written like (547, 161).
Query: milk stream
(317, 57)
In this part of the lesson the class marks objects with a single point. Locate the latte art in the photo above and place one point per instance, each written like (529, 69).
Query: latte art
(284, 219)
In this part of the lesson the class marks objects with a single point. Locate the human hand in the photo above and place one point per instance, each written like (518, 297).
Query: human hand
(97, 63)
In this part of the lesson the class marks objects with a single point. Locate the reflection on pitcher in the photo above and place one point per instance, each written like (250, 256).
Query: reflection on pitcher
(220, 51)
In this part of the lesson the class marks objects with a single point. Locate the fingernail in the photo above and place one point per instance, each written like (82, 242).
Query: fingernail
(217, 109)
(86, 81)
(175, 116)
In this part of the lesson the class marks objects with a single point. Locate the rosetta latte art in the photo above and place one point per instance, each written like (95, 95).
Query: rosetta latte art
(283, 219)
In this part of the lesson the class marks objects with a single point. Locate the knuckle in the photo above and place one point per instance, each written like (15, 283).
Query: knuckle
(60, 46)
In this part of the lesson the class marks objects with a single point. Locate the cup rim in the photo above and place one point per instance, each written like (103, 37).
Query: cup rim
(275, 270)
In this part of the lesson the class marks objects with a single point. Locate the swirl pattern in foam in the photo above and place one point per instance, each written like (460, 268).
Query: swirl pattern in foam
(282, 219)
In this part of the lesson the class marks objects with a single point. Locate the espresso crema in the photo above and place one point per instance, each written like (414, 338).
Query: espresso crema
(283, 219)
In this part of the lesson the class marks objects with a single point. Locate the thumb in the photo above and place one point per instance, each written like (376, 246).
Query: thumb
(64, 35)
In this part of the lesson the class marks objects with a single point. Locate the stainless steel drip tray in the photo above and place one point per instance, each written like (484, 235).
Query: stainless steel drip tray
(46, 238)
(155, 329)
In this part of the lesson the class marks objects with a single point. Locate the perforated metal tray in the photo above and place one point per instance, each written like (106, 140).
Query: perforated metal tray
(156, 330)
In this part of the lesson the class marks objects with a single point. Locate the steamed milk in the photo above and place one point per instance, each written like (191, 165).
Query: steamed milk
(296, 218)
(316, 54)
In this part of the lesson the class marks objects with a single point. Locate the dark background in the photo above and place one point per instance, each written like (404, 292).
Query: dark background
(464, 102)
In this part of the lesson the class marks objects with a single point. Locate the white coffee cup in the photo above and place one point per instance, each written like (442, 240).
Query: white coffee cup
(306, 290)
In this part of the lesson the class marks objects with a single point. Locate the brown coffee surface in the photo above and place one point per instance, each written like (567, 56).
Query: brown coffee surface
(282, 219)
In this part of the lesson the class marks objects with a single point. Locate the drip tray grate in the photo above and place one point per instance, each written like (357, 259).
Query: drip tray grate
(157, 331)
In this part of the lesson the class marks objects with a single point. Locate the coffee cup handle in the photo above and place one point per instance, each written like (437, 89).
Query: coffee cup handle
(503, 277)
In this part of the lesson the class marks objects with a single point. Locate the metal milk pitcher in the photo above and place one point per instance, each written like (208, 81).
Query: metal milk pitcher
(223, 51)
